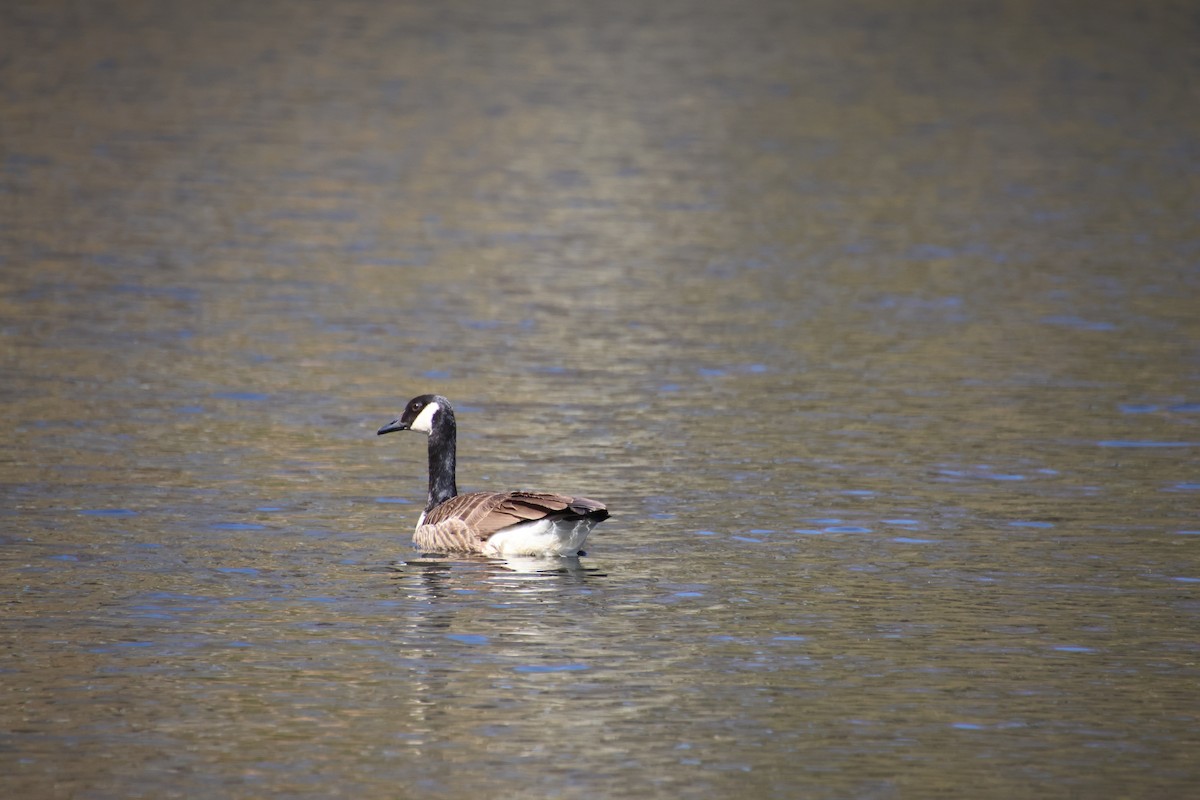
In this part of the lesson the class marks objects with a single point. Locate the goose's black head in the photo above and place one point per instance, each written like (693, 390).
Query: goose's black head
(423, 414)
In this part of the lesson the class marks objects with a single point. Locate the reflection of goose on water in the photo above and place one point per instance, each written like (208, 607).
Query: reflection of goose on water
(495, 568)
(491, 523)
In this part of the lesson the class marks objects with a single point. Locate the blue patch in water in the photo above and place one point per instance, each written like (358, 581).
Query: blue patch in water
(1184, 487)
(108, 512)
(1182, 579)
(1188, 533)
(540, 668)
(761, 530)
(436, 374)
(236, 526)
(1143, 443)
(268, 509)
(238, 570)
(710, 373)
(1073, 648)
(64, 557)
(910, 540)
(967, 726)
(690, 594)
(808, 531)
(847, 529)
(1030, 524)
(252, 396)
(706, 533)
(901, 522)
(383, 261)
(789, 638)
(1067, 321)
(399, 500)
(929, 252)
(749, 539)
(1186, 408)
(189, 410)
(468, 638)
(1136, 408)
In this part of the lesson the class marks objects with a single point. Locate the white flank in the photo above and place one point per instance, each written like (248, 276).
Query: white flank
(424, 420)
(541, 537)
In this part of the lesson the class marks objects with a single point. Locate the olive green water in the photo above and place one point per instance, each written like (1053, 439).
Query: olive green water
(874, 323)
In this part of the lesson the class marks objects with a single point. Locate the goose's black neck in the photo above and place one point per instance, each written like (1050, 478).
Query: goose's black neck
(442, 440)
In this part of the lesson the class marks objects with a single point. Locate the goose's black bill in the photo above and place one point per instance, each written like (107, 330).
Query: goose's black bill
(392, 427)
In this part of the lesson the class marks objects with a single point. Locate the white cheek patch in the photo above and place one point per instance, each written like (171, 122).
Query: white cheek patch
(424, 421)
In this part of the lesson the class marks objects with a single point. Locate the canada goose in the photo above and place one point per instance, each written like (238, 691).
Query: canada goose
(491, 523)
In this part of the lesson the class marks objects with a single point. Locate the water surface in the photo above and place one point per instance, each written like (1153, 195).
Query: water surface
(874, 325)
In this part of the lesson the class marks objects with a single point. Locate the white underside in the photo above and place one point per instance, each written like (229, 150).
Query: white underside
(540, 537)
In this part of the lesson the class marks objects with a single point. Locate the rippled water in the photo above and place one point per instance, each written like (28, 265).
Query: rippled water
(874, 324)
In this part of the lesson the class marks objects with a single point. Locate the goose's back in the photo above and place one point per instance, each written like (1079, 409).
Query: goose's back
(528, 521)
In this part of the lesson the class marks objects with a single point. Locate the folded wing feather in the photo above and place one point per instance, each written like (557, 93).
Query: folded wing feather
(484, 513)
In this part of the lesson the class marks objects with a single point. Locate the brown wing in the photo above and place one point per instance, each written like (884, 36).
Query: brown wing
(484, 513)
